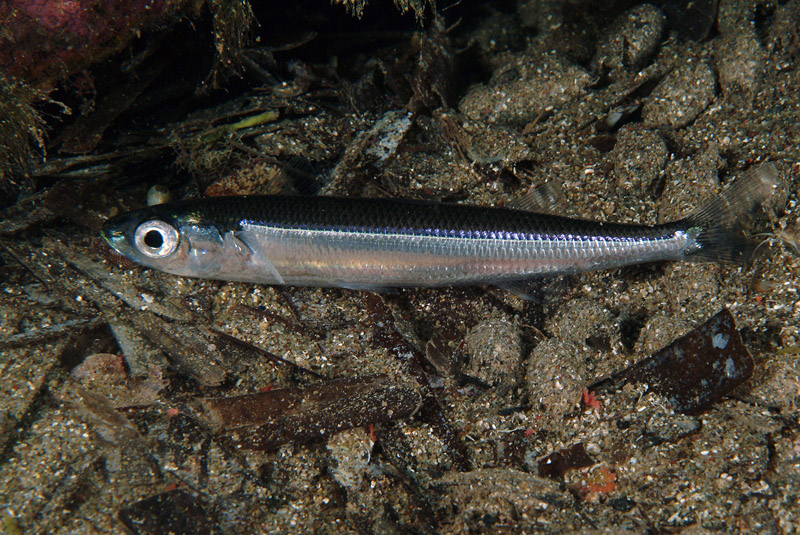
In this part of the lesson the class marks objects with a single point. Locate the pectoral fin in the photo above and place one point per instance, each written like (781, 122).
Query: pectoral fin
(236, 242)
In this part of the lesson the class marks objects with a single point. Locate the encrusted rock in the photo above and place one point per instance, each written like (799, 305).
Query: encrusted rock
(630, 40)
(740, 62)
(524, 88)
(556, 377)
(680, 97)
(495, 351)
(351, 451)
(640, 156)
(583, 320)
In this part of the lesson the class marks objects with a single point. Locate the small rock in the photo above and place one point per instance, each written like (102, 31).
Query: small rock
(583, 321)
(670, 427)
(784, 34)
(496, 34)
(350, 451)
(495, 351)
(640, 156)
(630, 41)
(740, 60)
(556, 377)
(680, 97)
(158, 194)
(485, 496)
(524, 88)
(659, 332)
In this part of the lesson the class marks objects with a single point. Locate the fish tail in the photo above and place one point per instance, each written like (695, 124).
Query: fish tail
(717, 229)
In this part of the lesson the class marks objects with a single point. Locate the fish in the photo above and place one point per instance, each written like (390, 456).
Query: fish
(375, 244)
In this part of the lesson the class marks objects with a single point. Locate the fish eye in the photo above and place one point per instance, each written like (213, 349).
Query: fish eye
(156, 239)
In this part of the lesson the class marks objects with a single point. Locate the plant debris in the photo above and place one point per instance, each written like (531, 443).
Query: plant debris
(177, 511)
(696, 370)
(560, 462)
(266, 420)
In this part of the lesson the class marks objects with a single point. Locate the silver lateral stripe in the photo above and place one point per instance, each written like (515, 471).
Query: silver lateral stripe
(420, 260)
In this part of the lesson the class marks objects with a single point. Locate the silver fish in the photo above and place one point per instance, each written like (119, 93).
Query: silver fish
(378, 243)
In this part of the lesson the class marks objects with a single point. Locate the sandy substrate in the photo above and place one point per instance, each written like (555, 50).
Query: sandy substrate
(486, 415)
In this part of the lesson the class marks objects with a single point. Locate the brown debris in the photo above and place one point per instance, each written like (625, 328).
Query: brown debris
(266, 420)
(190, 348)
(696, 370)
(369, 154)
(560, 462)
(173, 512)
(432, 81)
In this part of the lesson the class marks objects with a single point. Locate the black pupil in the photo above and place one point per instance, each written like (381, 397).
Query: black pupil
(153, 239)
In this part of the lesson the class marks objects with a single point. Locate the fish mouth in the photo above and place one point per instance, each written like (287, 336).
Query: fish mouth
(111, 236)
(116, 236)
(106, 235)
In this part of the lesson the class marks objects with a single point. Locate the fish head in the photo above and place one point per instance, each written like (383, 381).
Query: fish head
(181, 244)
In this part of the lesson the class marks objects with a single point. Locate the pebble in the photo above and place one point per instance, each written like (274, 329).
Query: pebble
(556, 378)
(680, 97)
(158, 194)
(740, 60)
(494, 347)
(350, 454)
(524, 88)
(660, 331)
(640, 156)
(691, 183)
(670, 427)
(629, 41)
(497, 33)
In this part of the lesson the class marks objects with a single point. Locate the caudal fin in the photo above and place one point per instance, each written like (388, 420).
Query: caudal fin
(718, 227)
